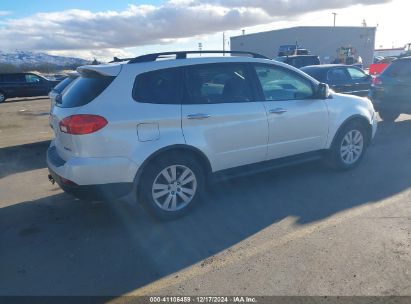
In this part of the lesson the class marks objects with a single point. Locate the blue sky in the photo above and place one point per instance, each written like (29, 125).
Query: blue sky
(104, 29)
(23, 8)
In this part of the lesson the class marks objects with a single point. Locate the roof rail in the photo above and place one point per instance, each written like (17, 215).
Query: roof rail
(116, 59)
(183, 55)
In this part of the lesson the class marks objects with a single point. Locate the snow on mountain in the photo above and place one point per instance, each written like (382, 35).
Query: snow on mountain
(26, 57)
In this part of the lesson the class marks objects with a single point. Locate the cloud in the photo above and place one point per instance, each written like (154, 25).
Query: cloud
(282, 8)
(105, 32)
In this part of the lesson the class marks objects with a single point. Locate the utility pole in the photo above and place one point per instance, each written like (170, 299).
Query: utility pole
(335, 16)
(223, 43)
(200, 47)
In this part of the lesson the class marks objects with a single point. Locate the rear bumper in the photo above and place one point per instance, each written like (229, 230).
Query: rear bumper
(93, 192)
(389, 102)
(92, 178)
(390, 105)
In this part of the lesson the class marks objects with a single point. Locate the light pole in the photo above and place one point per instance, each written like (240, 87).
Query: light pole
(335, 16)
(223, 43)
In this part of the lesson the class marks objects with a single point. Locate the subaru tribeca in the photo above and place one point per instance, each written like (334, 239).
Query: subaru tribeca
(159, 129)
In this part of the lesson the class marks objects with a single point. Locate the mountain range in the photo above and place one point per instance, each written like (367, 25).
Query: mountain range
(18, 58)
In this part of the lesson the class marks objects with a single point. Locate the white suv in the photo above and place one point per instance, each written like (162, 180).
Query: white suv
(159, 129)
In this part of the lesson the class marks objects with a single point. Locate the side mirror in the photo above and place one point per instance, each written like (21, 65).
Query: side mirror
(323, 91)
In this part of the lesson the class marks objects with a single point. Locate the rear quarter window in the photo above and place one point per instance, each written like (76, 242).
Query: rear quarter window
(83, 90)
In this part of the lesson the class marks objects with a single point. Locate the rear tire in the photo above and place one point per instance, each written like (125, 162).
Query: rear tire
(388, 116)
(348, 147)
(171, 186)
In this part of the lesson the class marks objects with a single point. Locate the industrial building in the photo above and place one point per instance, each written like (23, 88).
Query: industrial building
(319, 40)
(389, 52)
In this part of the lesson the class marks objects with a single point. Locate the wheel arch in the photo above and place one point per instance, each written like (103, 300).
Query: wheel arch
(179, 149)
(355, 118)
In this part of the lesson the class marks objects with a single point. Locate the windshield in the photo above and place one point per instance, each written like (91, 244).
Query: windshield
(63, 84)
(398, 68)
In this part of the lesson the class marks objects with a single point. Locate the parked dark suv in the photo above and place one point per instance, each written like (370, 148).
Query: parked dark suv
(24, 85)
(391, 91)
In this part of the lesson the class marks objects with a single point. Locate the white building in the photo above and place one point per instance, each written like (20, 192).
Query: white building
(388, 52)
(319, 40)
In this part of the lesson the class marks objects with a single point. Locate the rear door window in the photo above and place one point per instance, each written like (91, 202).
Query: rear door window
(160, 87)
(217, 83)
(338, 75)
(83, 90)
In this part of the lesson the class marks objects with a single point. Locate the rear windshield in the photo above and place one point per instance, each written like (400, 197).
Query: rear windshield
(399, 68)
(314, 72)
(83, 90)
(63, 84)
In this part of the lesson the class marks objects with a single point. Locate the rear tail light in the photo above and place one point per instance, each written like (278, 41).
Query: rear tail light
(82, 124)
(376, 81)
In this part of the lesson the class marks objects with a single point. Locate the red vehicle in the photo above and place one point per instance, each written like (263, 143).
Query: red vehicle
(377, 68)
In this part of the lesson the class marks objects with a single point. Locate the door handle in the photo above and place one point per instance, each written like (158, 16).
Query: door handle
(198, 116)
(277, 111)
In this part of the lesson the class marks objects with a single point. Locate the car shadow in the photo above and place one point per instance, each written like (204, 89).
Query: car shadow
(58, 245)
(16, 159)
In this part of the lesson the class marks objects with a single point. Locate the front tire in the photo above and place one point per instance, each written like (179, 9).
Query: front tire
(171, 186)
(348, 147)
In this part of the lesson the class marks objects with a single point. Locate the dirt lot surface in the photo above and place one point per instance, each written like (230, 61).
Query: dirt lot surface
(303, 230)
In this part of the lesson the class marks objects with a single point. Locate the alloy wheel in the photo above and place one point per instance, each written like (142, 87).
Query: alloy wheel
(174, 187)
(352, 147)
